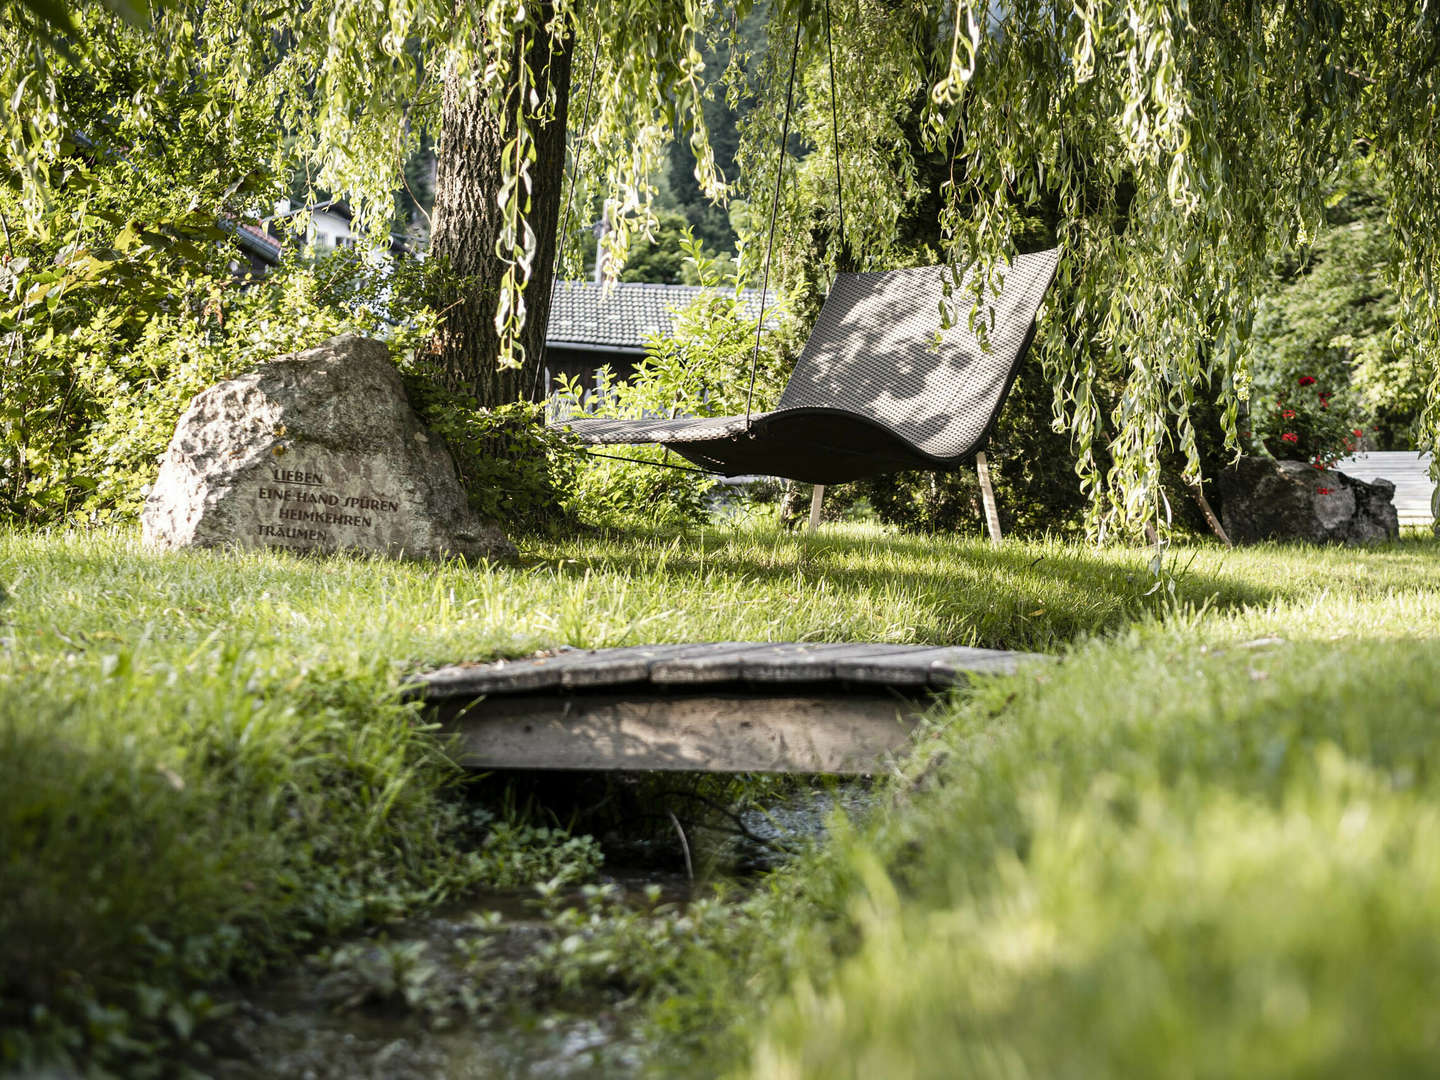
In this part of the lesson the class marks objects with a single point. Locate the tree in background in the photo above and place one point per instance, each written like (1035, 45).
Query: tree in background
(1174, 150)
(355, 88)
(480, 241)
(1332, 316)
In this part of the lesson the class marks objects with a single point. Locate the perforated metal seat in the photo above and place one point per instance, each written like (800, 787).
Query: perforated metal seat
(878, 388)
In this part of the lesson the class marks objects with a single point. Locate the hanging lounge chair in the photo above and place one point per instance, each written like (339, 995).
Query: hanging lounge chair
(879, 387)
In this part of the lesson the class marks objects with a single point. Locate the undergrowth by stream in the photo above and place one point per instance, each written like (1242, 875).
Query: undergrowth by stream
(210, 773)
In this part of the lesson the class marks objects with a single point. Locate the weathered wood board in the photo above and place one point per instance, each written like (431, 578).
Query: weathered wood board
(714, 707)
(721, 662)
(713, 732)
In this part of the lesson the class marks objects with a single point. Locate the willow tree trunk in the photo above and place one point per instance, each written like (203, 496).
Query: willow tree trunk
(467, 224)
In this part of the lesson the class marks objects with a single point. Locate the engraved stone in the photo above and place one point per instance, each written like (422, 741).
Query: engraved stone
(316, 451)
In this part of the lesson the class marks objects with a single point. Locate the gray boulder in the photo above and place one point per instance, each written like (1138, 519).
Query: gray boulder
(1265, 499)
(316, 451)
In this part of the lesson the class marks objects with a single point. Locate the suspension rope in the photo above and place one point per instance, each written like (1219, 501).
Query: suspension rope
(774, 210)
(656, 464)
(843, 260)
(565, 219)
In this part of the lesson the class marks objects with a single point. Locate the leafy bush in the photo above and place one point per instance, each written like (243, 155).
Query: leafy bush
(121, 306)
(702, 369)
(105, 374)
(121, 282)
(138, 389)
(1331, 316)
(1304, 423)
(619, 494)
(514, 469)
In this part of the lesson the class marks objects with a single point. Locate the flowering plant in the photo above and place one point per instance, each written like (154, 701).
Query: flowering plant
(1304, 422)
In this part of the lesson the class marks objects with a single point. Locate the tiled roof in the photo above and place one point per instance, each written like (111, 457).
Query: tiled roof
(258, 241)
(582, 313)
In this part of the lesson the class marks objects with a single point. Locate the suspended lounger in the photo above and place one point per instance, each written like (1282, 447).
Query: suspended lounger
(878, 388)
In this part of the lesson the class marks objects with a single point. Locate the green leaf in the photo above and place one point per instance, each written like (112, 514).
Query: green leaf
(55, 20)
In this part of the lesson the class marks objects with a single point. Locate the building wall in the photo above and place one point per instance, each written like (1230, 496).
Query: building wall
(583, 364)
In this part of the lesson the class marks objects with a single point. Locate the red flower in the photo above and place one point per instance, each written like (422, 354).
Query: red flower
(1290, 437)
(1322, 491)
(1358, 433)
(1306, 380)
(1288, 414)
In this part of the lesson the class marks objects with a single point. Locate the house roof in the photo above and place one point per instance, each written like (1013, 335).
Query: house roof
(258, 241)
(584, 314)
(256, 238)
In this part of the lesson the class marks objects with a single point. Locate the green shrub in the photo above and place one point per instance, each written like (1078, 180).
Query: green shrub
(1332, 315)
(136, 391)
(514, 469)
(702, 369)
(1304, 422)
(618, 494)
(123, 302)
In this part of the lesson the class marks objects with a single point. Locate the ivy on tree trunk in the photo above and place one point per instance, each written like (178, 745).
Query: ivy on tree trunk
(469, 221)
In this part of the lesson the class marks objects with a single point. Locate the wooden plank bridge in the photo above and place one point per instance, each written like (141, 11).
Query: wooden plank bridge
(716, 707)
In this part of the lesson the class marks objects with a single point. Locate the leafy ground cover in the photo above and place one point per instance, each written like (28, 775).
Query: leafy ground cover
(207, 764)
(1203, 846)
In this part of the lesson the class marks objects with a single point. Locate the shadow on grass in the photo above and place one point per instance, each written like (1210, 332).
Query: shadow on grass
(1017, 596)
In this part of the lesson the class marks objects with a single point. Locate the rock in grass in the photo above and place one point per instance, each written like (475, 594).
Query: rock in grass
(316, 451)
(1265, 499)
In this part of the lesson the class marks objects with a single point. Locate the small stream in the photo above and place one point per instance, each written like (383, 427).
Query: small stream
(461, 993)
(414, 1003)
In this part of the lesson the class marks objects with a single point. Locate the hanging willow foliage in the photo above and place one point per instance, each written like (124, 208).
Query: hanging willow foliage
(1172, 147)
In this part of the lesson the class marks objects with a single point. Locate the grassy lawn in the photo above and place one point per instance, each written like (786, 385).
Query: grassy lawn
(1203, 846)
(206, 764)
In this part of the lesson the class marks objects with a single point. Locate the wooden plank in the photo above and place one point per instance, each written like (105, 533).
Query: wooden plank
(909, 668)
(736, 663)
(571, 668)
(632, 663)
(809, 663)
(952, 665)
(506, 676)
(701, 656)
(848, 734)
(716, 663)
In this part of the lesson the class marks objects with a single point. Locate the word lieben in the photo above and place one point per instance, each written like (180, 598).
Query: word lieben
(296, 476)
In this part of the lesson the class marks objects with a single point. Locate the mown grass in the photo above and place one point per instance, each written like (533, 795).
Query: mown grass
(1203, 846)
(206, 761)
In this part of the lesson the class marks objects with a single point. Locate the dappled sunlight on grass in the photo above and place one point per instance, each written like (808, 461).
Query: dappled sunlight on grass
(230, 721)
(847, 584)
(1206, 836)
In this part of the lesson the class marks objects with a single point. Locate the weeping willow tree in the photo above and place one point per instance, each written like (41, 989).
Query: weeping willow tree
(1171, 148)
(355, 87)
